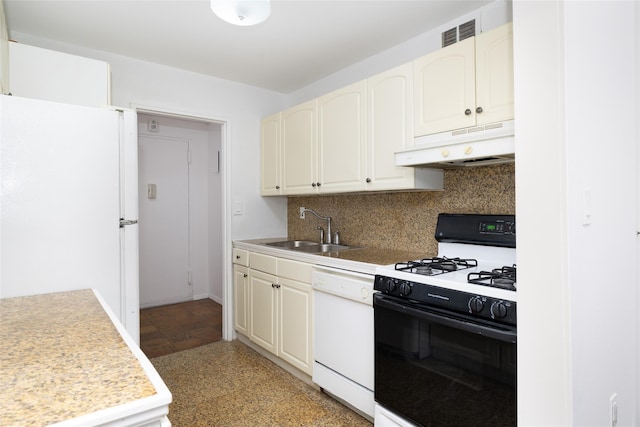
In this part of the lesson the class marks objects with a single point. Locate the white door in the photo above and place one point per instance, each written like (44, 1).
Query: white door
(61, 202)
(164, 220)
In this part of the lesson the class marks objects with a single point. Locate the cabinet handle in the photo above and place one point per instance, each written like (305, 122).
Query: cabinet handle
(245, 275)
(479, 110)
(467, 112)
(318, 184)
(313, 184)
(237, 256)
(368, 180)
(468, 150)
(275, 285)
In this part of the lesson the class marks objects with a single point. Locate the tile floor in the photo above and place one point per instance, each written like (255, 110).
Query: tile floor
(177, 327)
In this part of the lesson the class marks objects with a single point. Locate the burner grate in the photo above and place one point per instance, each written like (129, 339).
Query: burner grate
(503, 277)
(435, 266)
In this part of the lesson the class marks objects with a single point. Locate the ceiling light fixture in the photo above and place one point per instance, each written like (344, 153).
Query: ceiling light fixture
(242, 12)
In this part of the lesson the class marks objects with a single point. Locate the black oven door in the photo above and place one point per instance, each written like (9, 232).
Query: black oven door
(436, 368)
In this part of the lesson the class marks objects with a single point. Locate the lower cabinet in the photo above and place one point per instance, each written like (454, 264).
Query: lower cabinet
(279, 308)
(240, 298)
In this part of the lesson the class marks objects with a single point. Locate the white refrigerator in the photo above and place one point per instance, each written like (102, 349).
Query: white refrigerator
(69, 202)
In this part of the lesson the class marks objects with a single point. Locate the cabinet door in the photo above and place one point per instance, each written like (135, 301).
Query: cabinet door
(299, 145)
(389, 128)
(494, 75)
(341, 139)
(270, 155)
(445, 89)
(295, 324)
(263, 309)
(240, 298)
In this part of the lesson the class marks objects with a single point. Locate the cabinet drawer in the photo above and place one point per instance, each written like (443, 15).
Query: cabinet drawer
(262, 262)
(300, 271)
(240, 256)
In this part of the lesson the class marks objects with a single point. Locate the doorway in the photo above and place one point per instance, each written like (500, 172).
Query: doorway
(180, 199)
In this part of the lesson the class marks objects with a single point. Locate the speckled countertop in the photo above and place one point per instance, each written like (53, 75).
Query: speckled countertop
(63, 358)
(362, 260)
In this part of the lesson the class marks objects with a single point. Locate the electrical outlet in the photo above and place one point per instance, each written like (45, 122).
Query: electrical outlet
(613, 404)
(301, 212)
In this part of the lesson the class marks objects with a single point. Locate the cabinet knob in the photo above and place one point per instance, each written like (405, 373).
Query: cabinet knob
(313, 184)
(468, 150)
(277, 187)
(467, 112)
(237, 256)
(318, 184)
(479, 110)
(245, 275)
(445, 153)
(368, 180)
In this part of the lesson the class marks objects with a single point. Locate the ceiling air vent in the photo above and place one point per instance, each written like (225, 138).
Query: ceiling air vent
(466, 30)
(449, 37)
(456, 34)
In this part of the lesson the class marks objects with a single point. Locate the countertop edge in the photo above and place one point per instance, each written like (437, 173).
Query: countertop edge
(258, 245)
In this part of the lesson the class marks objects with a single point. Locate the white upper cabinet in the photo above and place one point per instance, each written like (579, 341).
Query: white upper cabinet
(390, 129)
(466, 84)
(271, 156)
(494, 75)
(299, 147)
(341, 139)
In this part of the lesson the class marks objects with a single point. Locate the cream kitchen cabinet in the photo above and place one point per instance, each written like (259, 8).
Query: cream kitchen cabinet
(342, 140)
(280, 308)
(241, 290)
(299, 144)
(323, 143)
(467, 84)
(271, 156)
(390, 129)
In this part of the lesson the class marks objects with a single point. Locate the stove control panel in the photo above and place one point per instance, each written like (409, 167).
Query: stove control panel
(480, 306)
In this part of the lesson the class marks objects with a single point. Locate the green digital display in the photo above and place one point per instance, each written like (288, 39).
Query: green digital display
(491, 227)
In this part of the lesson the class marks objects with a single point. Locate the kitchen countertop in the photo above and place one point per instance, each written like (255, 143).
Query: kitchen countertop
(362, 260)
(67, 359)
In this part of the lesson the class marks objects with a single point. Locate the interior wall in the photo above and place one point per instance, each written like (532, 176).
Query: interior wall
(576, 206)
(602, 198)
(215, 217)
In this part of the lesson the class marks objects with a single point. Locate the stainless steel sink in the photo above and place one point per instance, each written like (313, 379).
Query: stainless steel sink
(309, 247)
(322, 248)
(293, 244)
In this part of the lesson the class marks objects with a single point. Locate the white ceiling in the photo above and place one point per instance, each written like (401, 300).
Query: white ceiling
(301, 42)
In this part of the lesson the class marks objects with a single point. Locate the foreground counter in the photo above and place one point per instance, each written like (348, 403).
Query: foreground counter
(67, 361)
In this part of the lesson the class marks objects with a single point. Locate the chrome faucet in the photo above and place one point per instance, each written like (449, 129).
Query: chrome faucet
(324, 218)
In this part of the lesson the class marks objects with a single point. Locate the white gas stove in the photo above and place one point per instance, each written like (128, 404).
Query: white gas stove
(474, 272)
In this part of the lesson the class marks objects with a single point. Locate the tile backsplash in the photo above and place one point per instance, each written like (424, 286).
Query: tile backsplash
(406, 220)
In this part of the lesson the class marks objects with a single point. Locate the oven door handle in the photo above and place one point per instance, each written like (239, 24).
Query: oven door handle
(503, 333)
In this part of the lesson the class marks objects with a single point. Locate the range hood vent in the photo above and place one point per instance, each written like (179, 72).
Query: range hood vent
(478, 146)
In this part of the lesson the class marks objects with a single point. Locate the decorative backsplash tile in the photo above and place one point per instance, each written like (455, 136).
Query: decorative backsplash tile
(406, 220)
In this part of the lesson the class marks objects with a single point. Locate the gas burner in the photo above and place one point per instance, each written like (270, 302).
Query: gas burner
(503, 277)
(435, 266)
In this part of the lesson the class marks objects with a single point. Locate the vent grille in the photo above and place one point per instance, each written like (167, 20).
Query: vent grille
(466, 30)
(456, 34)
(449, 37)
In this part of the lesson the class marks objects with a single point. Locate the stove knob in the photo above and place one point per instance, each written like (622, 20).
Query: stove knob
(475, 305)
(498, 310)
(405, 289)
(392, 284)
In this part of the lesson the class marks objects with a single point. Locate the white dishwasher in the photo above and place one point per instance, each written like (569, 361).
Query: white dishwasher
(343, 336)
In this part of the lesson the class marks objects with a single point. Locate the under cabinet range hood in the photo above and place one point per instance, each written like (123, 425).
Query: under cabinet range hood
(476, 146)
